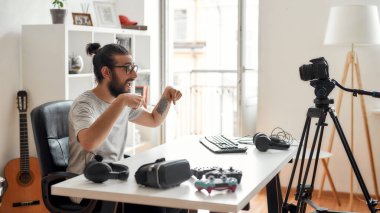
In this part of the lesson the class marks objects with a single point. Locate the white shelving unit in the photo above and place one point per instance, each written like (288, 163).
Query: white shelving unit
(45, 56)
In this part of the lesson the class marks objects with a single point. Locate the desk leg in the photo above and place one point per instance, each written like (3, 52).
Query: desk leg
(274, 195)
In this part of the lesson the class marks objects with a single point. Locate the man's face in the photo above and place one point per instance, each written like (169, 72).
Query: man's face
(121, 77)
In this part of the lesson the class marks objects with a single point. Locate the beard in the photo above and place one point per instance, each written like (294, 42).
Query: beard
(116, 88)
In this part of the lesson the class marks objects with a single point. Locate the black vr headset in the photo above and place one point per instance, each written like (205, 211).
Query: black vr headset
(163, 174)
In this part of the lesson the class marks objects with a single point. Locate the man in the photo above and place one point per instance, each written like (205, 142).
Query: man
(98, 119)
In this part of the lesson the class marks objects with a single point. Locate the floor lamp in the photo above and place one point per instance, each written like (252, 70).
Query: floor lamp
(353, 25)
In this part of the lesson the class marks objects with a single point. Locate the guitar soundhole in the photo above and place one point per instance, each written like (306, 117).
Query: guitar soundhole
(25, 178)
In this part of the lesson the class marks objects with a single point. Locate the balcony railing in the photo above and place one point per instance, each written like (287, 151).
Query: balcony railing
(209, 103)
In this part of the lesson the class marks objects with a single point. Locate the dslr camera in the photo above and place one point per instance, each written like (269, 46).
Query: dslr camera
(318, 74)
(318, 69)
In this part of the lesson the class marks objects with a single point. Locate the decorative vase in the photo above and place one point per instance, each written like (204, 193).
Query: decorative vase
(58, 16)
(75, 64)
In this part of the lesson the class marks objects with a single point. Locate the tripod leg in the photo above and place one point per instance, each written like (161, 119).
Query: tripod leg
(305, 132)
(370, 203)
(323, 124)
(318, 136)
(368, 136)
(349, 61)
(352, 144)
(300, 173)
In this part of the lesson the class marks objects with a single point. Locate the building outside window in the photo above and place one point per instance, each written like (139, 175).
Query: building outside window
(203, 64)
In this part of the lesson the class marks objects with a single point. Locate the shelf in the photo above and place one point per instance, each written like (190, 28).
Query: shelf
(104, 30)
(81, 75)
(67, 40)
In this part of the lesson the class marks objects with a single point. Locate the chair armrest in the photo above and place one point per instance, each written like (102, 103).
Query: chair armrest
(54, 178)
(57, 175)
(52, 202)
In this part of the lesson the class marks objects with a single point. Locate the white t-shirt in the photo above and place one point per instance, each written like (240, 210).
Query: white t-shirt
(84, 111)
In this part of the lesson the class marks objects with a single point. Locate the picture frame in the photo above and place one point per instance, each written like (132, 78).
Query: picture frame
(125, 42)
(143, 91)
(82, 19)
(105, 13)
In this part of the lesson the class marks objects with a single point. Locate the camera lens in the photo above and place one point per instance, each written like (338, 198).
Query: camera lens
(313, 71)
(306, 72)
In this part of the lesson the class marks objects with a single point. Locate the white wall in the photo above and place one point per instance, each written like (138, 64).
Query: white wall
(292, 33)
(14, 13)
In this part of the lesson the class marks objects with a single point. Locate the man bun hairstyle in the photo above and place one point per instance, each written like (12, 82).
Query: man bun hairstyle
(103, 56)
(92, 48)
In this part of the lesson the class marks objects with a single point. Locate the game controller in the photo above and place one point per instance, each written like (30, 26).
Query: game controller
(212, 183)
(230, 172)
(217, 172)
(198, 172)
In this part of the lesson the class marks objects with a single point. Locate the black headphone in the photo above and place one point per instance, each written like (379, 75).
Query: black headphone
(98, 171)
(263, 142)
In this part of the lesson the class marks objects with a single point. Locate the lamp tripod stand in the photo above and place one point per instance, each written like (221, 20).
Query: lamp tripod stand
(352, 62)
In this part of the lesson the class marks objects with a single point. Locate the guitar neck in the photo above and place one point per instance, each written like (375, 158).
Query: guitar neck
(24, 145)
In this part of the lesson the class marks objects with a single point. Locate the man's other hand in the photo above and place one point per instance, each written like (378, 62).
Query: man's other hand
(172, 94)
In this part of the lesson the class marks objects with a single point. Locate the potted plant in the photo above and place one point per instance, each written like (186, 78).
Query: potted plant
(58, 13)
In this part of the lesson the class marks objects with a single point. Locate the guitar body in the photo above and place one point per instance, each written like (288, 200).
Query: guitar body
(24, 189)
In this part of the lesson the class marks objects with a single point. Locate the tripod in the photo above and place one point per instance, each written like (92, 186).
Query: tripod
(304, 191)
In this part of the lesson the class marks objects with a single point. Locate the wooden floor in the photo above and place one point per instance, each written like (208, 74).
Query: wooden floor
(259, 205)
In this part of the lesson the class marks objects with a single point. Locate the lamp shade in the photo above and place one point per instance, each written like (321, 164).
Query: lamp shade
(353, 24)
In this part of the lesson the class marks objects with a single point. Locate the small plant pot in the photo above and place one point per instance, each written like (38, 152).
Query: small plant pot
(58, 16)
(75, 64)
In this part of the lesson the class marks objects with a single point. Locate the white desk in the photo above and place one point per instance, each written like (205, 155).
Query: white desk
(258, 168)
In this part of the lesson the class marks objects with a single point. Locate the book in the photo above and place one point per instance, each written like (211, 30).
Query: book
(135, 27)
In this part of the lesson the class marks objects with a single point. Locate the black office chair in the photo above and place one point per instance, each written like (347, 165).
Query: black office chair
(51, 135)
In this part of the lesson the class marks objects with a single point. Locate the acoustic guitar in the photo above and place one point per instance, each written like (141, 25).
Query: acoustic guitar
(23, 174)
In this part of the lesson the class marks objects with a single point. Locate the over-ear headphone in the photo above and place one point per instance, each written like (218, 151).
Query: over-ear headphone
(263, 142)
(98, 171)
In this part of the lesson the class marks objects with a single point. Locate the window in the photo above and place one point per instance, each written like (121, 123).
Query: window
(203, 45)
(180, 25)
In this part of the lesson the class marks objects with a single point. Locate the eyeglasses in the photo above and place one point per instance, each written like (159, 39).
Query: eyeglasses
(128, 68)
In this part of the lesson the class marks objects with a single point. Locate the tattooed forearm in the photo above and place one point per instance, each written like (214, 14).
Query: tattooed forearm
(162, 105)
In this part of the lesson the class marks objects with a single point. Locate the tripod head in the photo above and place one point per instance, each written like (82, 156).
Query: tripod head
(323, 87)
(318, 74)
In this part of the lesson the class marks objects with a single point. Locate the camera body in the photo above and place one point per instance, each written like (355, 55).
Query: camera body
(318, 69)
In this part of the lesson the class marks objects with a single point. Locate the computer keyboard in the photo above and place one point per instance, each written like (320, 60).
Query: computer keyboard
(221, 144)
